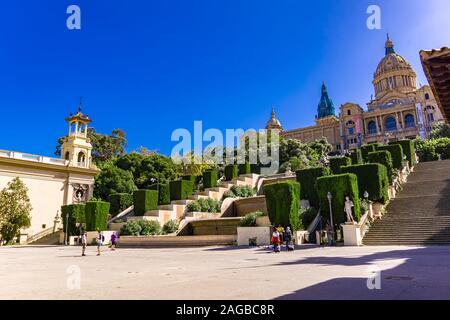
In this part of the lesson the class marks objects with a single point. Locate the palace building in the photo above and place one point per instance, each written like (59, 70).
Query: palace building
(399, 110)
(53, 182)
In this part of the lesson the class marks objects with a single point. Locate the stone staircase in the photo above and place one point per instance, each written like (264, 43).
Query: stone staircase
(420, 214)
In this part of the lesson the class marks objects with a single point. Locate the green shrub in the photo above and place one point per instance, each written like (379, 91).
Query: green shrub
(356, 156)
(244, 168)
(396, 151)
(383, 157)
(408, 150)
(145, 200)
(249, 220)
(307, 179)
(231, 172)
(307, 216)
(366, 149)
(149, 227)
(283, 203)
(119, 202)
(181, 189)
(73, 214)
(442, 146)
(340, 186)
(431, 150)
(337, 162)
(373, 178)
(171, 226)
(194, 179)
(255, 168)
(163, 194)
(205, 205)
(240, 191)
(210, 178)
(131, 228)
(96, 213)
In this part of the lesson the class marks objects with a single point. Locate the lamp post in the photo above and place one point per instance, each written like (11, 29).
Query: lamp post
(366, 195)
(153, 180)
(329, 197)
(67, 228)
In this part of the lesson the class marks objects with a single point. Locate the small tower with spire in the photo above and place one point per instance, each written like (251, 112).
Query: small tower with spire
(389, 46)
(325, 107)
(273, 122)
(77, 147)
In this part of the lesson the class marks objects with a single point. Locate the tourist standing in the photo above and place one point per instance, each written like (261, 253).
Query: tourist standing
(276, 241)
(280, 230)
(288, 238)
(113, 241)
(83, 243)
(100, 239)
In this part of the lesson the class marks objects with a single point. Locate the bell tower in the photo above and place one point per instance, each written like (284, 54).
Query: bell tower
(77, 147)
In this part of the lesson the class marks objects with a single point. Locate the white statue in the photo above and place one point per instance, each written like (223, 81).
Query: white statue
(348, 209)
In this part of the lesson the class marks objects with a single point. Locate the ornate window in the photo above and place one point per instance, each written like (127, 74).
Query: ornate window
(409, 121)
(81, 158)
(390, 124)
(372, 127)
(427, 96)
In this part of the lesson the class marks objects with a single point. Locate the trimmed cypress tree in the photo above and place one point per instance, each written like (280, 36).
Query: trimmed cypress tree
(164, 192)
(337, 162)
(119, 202)
(231, 172)
(283, 203)
(366, 149)
(382, 157)
(307, 179)
(356, 156)
(96, 215)
(396, 151)
(408, 150)
(181, 189)
(210, 178)
(145, 200)
(244, 168)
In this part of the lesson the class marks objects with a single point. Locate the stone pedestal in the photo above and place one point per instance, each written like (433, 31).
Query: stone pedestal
(352, 234)
(23, 238)
(261, 234)
(263, 221)
(299, 237)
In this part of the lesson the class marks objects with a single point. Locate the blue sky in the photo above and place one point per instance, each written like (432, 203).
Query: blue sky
(150, 67)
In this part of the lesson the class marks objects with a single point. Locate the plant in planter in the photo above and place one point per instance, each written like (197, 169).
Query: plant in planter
(171, 226)
(205, 205)
(250, 219)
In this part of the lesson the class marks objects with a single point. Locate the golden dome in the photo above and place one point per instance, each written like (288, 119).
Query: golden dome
(392, 62)
(273, 122)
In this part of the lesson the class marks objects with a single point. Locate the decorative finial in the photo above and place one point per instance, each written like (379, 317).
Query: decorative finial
(81, 103)
(273, 112)
(389, 45)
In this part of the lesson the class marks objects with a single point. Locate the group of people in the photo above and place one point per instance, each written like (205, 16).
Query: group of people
(280, 236)
(100, 240)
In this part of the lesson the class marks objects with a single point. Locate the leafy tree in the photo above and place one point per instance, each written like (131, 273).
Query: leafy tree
(131, 162)
(104, 147)
(157, 167)
(440, 130)
(113, 180)
(193, 165)
(15, 209)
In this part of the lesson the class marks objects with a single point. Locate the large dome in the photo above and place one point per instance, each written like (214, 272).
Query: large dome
(273, 122)
(392, 62)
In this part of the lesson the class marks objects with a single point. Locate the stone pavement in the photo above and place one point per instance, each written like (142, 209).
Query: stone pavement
(51, 272)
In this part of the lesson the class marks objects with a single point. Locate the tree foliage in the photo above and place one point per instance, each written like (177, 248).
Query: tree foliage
(113, 180)
(440, 130)
(15, 209)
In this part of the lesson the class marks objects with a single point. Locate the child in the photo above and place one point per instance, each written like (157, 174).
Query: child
(276, 241)
(113, 241)
(100, 239)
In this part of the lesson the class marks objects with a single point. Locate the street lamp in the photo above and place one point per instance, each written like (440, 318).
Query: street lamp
(153, 180)
(329, 197)
(67, 228)
(366, 195)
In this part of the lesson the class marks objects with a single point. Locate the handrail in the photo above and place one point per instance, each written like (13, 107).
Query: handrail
(363, 223)
(40, 234)
(121, 214)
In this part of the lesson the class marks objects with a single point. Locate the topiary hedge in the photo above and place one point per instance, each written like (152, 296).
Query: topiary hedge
(382, 157)
(231, 172)
(210, 178)
(396, 151)
(307, 179)
(194, 179)
(96, 213)
(73, 214)
(366, 149)
(373, 178)
(244, 168)
(340, 186)
(255, 168)
(283, 203)
(337, 162)
(119, 202)
(408, 150)
(145, 200)
(181, 189)
(164, 192)
(356, 156)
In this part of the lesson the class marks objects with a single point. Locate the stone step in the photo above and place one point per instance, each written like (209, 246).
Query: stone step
(176, 241)
(197, 197)
(226, 184)
(181, 202)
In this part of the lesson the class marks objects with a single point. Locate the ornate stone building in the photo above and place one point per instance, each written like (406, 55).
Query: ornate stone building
(399, 110)
(53, 182)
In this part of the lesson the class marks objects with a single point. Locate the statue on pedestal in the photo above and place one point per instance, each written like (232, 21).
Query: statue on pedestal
(348, 210)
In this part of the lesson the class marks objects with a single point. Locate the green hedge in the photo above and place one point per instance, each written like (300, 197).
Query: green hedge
(164, 192)
(145, 200)
(73, 214)
(382, 157)
(356, 156)
(366, 149)
(408, 150)
(396, 151)
(231, 172)
(194, 179)
(255, 168)
(340, 186)
(244, 168)
(96, 215)
(119, 202)
(181, 189)
(337, 162)
(373, 178)
(307, 179)
(210, 178)
(283, 203)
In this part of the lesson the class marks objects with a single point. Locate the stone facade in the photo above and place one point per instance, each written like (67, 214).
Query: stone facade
(399, 110)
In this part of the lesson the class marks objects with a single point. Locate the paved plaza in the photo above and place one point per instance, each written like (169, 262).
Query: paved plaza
(51, 272)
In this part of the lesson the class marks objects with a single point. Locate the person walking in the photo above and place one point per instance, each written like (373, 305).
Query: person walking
(280, 230)
(83, 243)
(113, 244)
(276, 241)
(100, 239)
(288, 238)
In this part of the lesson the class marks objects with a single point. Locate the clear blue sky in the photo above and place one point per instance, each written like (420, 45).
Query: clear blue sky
(150, 67)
